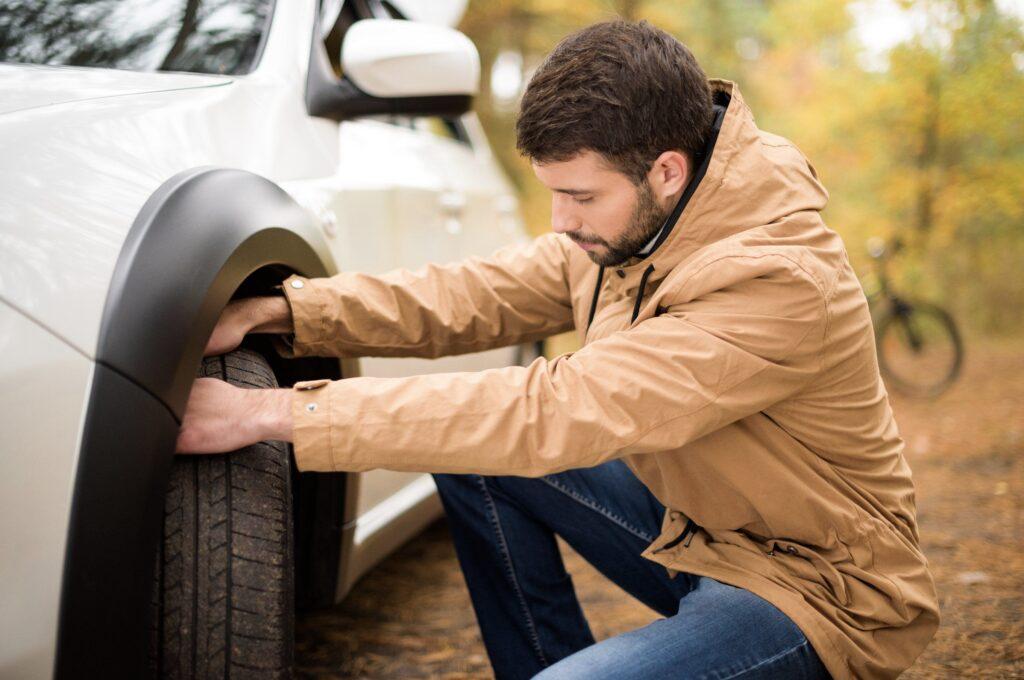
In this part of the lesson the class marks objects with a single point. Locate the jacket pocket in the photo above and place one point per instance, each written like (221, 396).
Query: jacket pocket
(817, 565)
(889, 578)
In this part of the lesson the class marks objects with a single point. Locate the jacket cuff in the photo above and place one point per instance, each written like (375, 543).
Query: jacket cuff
(308, 316)
(311, 429)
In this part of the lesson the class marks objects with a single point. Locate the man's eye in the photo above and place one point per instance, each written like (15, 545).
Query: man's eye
(584, 200)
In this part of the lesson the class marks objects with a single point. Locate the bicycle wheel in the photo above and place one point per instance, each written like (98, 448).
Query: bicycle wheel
(919, 348)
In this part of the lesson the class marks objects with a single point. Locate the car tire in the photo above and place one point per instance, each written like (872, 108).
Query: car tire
(224, 602)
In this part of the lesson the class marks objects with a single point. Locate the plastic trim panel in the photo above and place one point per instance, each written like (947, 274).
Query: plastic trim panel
(193, 243)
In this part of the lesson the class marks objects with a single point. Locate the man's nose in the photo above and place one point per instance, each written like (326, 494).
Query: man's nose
(562, 217)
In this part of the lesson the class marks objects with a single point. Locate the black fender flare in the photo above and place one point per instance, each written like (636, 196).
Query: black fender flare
(198, 237)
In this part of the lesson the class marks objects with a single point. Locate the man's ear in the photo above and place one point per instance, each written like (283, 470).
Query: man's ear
(669, 174)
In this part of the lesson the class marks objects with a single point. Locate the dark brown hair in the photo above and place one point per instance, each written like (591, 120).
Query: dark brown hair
(626, 90)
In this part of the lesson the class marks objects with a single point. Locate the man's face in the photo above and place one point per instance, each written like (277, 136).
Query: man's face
(600, 209)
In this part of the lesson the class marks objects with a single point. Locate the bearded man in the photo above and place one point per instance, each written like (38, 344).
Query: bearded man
(721, 447)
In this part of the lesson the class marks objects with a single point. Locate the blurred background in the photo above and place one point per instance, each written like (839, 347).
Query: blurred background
(912, 112)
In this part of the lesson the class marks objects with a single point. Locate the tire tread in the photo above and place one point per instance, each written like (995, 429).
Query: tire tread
(223, 592)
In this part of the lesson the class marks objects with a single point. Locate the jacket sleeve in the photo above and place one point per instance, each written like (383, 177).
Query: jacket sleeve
(518, 294)
(666, 381)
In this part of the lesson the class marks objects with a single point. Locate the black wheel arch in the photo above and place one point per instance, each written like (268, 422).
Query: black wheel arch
(205, 236)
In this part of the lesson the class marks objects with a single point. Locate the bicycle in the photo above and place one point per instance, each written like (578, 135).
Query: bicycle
(920, 350)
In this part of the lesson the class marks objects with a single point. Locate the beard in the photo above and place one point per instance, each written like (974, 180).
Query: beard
(647, 218)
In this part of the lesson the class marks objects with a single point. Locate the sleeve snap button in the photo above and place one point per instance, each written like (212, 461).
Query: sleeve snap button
(297, 284)
(311, 407)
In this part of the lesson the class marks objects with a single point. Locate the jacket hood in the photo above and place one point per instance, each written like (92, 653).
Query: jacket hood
(750, 178)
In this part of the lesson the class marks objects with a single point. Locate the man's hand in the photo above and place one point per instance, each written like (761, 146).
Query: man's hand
(248, 315)
(220, 417)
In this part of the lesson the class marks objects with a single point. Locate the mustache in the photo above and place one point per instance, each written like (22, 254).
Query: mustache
(581, 239)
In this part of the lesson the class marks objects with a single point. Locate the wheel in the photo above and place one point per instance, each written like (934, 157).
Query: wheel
(919, 348)
(224, 588)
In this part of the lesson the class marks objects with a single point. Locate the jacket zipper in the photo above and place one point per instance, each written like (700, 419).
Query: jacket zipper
(688, 532)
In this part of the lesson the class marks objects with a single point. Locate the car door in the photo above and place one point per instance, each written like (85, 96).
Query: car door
(407, 191)
(454, 203)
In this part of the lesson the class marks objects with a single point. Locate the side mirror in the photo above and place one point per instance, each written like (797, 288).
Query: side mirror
(397, 67)
(395, 58)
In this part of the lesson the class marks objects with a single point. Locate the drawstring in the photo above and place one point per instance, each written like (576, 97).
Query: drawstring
(597, 293)
(640, 293)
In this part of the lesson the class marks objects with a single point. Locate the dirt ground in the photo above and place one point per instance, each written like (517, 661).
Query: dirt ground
(411, 617)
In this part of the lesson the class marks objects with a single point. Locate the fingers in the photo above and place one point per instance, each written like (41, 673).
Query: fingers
(230, 329)
(216, 419)
(223, 341)
(246, 315)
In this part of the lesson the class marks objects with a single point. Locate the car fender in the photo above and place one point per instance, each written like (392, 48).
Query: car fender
(201, 235)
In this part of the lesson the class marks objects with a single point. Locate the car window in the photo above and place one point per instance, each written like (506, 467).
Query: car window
(199, 36)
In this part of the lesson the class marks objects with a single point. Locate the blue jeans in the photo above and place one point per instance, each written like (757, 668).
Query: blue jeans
(504, 533)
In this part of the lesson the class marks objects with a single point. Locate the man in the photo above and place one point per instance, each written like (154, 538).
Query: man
(722, 446)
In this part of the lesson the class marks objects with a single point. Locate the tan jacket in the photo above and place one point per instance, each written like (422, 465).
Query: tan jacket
(745, 394)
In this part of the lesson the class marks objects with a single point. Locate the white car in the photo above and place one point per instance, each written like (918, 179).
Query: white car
(157, 159)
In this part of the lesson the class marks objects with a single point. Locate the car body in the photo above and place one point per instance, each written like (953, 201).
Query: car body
(134, 206)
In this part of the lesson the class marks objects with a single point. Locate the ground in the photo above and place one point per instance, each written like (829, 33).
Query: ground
(411, 616)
